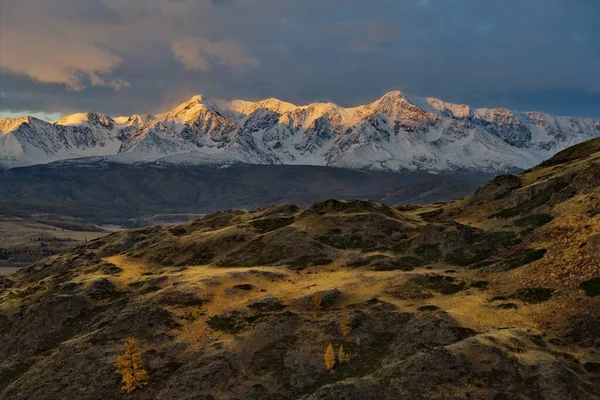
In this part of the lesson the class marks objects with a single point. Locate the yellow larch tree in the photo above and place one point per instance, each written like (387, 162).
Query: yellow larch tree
(130, 367)
(343, 357)
(329, 358)
(346, 325)
(317, 300)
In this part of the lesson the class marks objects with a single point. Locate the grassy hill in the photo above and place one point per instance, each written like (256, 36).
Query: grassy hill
(495, 296)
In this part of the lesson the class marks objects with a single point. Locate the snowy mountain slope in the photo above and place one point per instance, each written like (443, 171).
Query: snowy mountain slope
(28, 140)
(394, 133)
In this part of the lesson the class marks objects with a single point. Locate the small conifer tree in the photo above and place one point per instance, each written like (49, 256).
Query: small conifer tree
(329, 358)
(130, 367)
(343, 357)
(317, 300)
(346, 325)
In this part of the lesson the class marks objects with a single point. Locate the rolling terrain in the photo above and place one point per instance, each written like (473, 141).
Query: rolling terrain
(494, 296)
(26, 239)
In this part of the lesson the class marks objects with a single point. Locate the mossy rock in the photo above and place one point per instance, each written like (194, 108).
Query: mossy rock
(102, 289)
(507, 306)
(482, 250)
(469, 255)
(429, 252)
(13, 373)
(244, 286)
(591, 287)
(533, 295)
(522, 258)
(534, 220)
(407, 263)
(110, 269)
(271, 359)
(431, 215)
(402, 246)
(266, 304)
(593, 367)
(229, 323)
(428, 308)
(479, 284)
(349, 241)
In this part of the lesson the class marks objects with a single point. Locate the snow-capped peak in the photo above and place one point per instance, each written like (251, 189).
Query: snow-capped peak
(9, 124)
(395, 132)
(453, 110)
(80, 119)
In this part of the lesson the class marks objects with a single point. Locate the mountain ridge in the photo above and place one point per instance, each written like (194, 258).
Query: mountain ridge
(394, 133)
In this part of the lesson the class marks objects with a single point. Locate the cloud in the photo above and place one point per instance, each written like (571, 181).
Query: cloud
(193, 53)
(49, 59)
(221, 2)
(82, 43)
(135, 56)
(364, 36)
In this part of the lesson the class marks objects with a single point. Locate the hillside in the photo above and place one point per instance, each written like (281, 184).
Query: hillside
(82, 189)
(495, 296)
(394, 133)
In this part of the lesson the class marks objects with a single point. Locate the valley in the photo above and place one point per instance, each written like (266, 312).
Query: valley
(27, 239)
(493, 296)
(129, 195)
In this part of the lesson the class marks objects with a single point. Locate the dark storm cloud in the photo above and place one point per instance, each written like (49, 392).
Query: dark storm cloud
(122, 57)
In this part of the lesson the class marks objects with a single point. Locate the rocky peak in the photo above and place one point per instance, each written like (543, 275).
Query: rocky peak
(189, 109)
(395, 106)
(450, 109)
(10, 124)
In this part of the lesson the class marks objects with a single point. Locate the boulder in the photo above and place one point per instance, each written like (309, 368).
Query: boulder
(266, 304)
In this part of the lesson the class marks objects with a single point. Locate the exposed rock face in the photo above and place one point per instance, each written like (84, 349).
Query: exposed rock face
(394, 133)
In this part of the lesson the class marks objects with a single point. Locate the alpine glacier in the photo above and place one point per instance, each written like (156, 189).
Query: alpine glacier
(395, 133)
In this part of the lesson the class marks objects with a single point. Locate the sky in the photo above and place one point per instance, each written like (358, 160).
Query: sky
(122, 57)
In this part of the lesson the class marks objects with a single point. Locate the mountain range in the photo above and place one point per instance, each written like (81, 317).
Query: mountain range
(395, 133)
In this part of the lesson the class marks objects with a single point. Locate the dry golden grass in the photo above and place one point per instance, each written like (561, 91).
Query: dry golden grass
(16, 232)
